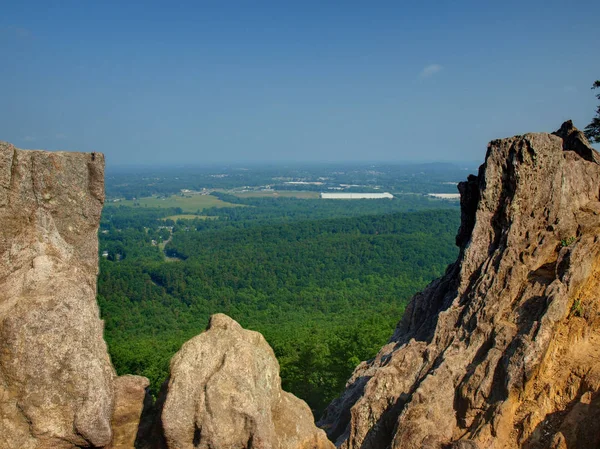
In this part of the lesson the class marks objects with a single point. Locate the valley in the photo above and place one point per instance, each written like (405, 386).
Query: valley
(325, 281)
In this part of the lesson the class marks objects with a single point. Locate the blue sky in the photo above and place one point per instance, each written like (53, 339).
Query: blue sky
(236, 81)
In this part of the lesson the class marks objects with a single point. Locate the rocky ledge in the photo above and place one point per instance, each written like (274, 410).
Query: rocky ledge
(503, 351)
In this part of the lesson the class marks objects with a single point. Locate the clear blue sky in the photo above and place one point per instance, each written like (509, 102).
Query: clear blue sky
(197, 81)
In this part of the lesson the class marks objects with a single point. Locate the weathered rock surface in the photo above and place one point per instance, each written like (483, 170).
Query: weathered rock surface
(225, 392)
(130, 393)
(503, 351)
(56, 379)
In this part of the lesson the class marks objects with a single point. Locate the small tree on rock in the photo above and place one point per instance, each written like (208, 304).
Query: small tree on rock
(592, 131)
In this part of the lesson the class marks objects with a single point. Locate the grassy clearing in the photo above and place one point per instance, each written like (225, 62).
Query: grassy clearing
(189, 204)
(277, 194)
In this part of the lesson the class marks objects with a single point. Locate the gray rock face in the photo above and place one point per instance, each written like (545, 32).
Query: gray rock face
(503, 351)
(225, 392)
(56, 379)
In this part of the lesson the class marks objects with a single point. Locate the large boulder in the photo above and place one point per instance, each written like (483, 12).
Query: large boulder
(503, 351)
(56, 379)
(225, 392)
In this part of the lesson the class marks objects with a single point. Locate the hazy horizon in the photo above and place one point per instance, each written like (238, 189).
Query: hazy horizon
(270, 82)
(240, 165)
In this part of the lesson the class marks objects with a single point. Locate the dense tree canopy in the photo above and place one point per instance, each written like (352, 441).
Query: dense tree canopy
(326, 293)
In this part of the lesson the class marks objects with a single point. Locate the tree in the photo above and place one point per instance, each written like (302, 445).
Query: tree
(592, 131)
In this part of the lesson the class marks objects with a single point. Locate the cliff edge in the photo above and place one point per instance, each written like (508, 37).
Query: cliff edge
(56, 379)
(503, 351)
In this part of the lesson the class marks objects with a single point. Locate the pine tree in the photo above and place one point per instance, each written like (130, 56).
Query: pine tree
(592, 131)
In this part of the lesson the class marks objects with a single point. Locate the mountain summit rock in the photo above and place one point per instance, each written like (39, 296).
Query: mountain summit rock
(56, 378)
(503, 351)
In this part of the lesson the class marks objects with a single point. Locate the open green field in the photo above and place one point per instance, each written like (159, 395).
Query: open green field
(189, 204)
(276, 194)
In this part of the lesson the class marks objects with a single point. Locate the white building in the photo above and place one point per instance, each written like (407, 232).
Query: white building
(356, 196)
(445, 196)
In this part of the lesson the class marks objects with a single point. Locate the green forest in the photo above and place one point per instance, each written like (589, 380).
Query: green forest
(325, 282)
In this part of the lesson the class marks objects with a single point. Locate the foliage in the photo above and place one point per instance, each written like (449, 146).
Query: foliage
(567, 242)
(576, 308)
(592, 131)
(325, 293)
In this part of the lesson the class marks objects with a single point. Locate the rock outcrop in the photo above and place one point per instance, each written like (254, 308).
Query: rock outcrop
(56, 379)
(130, 394)
(225, 392)
(503, 351)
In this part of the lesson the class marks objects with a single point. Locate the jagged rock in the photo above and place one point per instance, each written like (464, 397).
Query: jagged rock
(575, 140)
(225, 392)
(56, 380)
(503, 351)
(130, 394)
